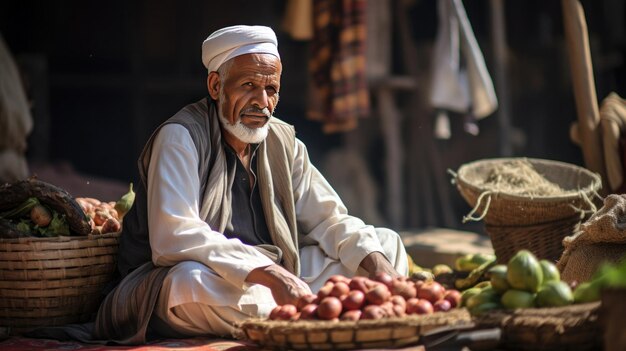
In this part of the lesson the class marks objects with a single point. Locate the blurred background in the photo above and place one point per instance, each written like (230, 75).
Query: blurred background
(100, 76)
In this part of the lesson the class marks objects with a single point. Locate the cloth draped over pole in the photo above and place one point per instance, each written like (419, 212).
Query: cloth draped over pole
(337, 65)
(613, 123)
(460, 81)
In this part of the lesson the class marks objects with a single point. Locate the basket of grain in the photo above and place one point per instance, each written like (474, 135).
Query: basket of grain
(55, 274)
(527, 203)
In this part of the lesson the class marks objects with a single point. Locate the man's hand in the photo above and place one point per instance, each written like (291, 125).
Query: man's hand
(285, 287)
(377, 262)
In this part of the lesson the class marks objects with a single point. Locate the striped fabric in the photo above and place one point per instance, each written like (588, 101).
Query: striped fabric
(337, 64)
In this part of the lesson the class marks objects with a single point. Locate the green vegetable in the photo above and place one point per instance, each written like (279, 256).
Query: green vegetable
(441, 269)
(615, 275)
(58, 226)
(524, 272)
(484, 296)
(480, 258)
(475, 275)
(125, 203)
(467, 294)
(513, 299)
(554, 294)
(550, 272)
(23, 226)
(484, 284)
(587, 292)
(484, 308)
(497, 277)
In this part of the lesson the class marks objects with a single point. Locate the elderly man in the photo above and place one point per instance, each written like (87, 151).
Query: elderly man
(232, 218)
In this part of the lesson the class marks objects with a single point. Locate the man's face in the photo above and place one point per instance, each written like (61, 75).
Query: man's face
(248, 96)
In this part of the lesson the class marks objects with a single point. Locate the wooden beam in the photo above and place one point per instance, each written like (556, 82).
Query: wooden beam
(577, 42)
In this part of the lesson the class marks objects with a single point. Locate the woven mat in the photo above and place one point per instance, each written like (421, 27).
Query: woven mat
(191, 344)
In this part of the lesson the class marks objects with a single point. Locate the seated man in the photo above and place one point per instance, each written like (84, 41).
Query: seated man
(231, 218)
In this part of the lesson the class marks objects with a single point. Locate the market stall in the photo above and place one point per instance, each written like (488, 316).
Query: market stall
(556, 279)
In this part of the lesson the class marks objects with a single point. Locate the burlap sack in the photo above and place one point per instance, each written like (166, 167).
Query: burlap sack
(602, 238)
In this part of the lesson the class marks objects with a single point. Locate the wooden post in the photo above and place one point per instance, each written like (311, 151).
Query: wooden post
(500, 54)
(394, 164)
(577, 42)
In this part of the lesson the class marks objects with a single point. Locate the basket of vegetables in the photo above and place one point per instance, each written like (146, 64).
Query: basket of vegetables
(534, 308)
(57, 253)
(359, 313)
(527, 203)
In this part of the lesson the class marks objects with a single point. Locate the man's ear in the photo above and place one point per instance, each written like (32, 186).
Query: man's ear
(213, 84)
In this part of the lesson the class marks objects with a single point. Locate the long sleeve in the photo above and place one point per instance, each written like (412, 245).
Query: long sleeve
(323, 217)
(177, 233)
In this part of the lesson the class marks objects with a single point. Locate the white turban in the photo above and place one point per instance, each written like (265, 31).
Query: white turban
(229, 42)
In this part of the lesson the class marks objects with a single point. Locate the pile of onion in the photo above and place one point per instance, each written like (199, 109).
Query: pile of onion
(342, 298)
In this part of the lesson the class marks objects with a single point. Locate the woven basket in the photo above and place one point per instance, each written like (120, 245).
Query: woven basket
(539, 223)
(53, 281)
(347, 335)
(574, 327)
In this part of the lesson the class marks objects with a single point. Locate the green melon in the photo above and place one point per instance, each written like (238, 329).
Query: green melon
(513, 299)
(554, 294)
(524, 272)
(497, 277)
(467, 294)
(484, 296)
(550, 272)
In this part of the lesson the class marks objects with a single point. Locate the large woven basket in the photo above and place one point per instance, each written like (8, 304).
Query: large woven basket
(348, 335)
(538, 223)
(574, 327)
(53, 281)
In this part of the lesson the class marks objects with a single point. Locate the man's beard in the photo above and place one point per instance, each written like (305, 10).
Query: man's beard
(241, 131)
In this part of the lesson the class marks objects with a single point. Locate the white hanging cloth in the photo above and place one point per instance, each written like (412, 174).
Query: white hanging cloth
(460, 81)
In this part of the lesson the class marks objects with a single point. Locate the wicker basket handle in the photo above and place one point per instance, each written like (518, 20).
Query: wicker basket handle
(470, 216)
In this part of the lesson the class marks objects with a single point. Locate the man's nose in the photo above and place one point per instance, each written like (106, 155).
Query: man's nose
(260, 98)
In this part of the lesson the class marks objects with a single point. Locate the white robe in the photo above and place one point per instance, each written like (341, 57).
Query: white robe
(179, 235)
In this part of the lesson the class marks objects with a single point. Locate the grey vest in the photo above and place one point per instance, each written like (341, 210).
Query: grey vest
(274, 170)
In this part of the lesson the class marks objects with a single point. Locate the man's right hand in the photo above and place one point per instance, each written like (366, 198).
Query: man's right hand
(286, 287)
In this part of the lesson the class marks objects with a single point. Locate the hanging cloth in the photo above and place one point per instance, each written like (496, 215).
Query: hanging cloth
(338, 91)
(613, 122)
(298, 19)
(460, 81)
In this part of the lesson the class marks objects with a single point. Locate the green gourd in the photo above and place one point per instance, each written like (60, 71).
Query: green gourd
(124, 204)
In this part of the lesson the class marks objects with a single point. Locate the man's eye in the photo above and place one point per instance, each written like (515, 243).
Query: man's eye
(248, 84)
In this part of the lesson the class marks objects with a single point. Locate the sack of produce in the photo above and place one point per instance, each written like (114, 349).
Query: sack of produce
(601, 239)
(527, 203)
